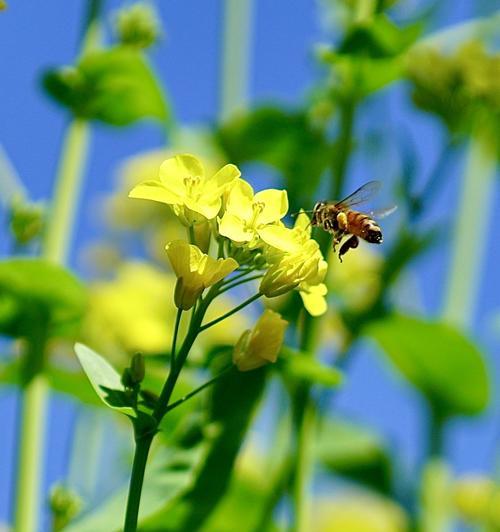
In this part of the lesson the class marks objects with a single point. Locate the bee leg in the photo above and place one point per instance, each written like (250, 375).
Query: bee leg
(337, 237)
(350, 243)
(342, 221)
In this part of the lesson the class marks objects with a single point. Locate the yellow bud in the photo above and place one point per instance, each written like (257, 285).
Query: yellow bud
(261, 345)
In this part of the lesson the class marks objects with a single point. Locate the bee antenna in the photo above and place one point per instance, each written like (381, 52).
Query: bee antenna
(294, 214)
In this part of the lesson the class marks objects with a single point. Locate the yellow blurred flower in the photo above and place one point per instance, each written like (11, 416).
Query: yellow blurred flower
(195, 271)
(132, 312)
(182, 184)
(357, 283)
(473, 496)
(359, 513)
(247, 214)
(261, 345)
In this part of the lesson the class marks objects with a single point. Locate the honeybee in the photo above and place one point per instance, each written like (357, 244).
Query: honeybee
(340, 220)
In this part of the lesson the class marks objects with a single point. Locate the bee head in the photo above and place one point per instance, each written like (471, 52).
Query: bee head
(318, 206)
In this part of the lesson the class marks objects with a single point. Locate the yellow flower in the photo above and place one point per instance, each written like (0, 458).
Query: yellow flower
(291, 269)
(183, 185)
(473, 497)
(247, 214)
(195, 271)
(359, 513)
(261, 345)
(130, 313)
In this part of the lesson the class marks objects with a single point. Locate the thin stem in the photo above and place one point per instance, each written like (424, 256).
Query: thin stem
(174, 338)
(471, 225)
(231, 312)
(68, 185)
(343, 148)
(241, 281)
(236, 277)
(191, 235)
(142, 447)
(196, 391)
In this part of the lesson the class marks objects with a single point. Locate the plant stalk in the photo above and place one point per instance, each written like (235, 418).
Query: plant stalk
(68, 185)
(236, 46)
(470, 232)
(142, 446)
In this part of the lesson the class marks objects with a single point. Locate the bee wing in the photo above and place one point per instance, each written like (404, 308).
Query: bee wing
(382, 213)
(362, 194)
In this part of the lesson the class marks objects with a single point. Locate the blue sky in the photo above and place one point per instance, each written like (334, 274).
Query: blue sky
(35, 35)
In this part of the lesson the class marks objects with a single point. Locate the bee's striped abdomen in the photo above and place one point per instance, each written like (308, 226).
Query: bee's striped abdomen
(363, 226)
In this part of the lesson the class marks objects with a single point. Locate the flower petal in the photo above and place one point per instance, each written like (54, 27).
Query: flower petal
(279, 237)
(175, 170)
(275, 205)
(240, 199)
(155, 191)
(234, 228)
(224, 177)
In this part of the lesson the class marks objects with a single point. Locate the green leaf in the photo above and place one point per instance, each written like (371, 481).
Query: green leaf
(379, 38)
(30, 288)
(438, 360)
(304, 367)
(233, 401)
(355, 452)
(115, 86)
(104, 379)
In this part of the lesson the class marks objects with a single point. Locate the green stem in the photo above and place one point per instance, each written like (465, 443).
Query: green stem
(235, 56)
(32, 424)
(196, 391)
(231, 312)
(471, 228)
(174, 339)
(68, 184)
(343, 148)
(241, 281)
(142, 446)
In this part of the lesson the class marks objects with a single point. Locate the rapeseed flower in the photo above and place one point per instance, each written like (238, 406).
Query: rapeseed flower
(195, 271)
(183, 185)
(247, 214)
(260, 345)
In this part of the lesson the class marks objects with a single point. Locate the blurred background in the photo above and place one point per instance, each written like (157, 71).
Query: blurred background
(318, 98)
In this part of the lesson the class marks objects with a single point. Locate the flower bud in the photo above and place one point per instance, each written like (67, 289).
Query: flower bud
(261, 345)
(64, 505)
(26, 221)
(138, 26)
(137, 368)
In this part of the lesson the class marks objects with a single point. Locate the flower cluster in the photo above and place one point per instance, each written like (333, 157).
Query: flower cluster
(247, 227)
(457, 85)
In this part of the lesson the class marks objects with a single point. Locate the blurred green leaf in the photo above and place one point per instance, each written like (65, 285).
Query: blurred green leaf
(104, 379)
(232, 404)
(30, 288)
(306, 368)
(437, 359)
(379, 38)
(167, 477)
(355, 452)
(115, 86)
(284, 139)
(243, 503)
